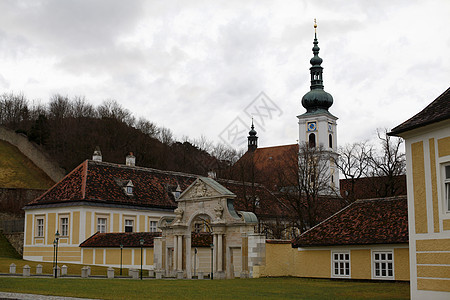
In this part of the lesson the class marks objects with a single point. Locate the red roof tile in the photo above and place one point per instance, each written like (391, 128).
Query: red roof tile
(127, 239)
(102, 182)
(371, 221)
(373, 187)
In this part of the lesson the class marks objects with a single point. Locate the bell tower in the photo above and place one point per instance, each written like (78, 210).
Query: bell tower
(252, 139)
(317, 126)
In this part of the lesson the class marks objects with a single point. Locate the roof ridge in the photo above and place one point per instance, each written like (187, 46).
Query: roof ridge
(276, 146)
(399, 197)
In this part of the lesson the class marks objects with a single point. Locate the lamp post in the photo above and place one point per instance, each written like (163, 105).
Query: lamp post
(195, 260)
(212, 254)
(121, 248)
(55, 243)
(142, 244)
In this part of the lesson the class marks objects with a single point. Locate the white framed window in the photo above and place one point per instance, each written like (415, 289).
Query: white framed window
(40, 226)
(64, 228)
(383, 264)
(341, 264)
(129, 190)
(153, 226)
(129, 225)
(101, 225)
(447, 187)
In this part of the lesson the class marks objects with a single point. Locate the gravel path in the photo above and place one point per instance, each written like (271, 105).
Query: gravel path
(4, 295)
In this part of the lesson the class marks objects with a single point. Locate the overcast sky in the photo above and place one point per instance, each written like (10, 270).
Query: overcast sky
(199, 67)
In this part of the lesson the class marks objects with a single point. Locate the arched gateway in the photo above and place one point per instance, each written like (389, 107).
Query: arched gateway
(230, 246)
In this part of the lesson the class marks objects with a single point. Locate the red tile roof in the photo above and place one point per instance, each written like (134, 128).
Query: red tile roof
(127, 239)
(102, 182)
(371, 221)
(373, 187)
(436, 111)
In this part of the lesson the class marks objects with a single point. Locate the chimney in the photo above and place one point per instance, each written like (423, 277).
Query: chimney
(130, 160)
(97, 156)
(212, 174)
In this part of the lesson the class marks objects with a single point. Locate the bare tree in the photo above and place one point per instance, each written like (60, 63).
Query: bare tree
(112, 109)
(390, 163)
(13, 109)
(353, 163)
(147, 127)
(304, 182)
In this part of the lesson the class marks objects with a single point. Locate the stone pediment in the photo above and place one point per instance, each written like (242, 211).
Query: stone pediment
(204, 187)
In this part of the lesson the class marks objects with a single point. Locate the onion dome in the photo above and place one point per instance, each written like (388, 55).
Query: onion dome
(316, 99)
(252, 139)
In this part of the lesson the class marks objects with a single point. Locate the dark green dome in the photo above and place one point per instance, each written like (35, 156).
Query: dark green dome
(317, 99)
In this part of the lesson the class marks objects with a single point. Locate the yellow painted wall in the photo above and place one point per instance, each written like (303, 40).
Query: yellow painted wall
(127, 256)
(401, 263)
(113, 257)
(312, 263)
(433, 271)
(434, 194)
(419, 190)
(149, 256)
(51, 230)
(141, 223)
(88, 255)
(137, 256)
(28, 238)
(115, 222)
(88, 224)
(446, 224)
(433, 258)
(433, 245)
(360, 264)
(279, 260)
(433, 285)
(444, 146)
(98, 256)
(76, 227)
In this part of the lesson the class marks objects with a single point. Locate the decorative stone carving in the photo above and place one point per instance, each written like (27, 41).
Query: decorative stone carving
(218, 211)
(200, 190)
(178, 215)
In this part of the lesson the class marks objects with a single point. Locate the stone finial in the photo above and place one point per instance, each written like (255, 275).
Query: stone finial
(39, 269)
(110, 272)
(178, 214)
(64, 270)
(97, 156)
(12, 268)
(26, 271)
(218, 211)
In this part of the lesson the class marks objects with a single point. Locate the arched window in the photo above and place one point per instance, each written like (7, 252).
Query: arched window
(330, 141)
(312, 140)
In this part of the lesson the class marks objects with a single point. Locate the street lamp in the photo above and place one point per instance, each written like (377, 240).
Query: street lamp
(142, 244)
(55, 244)
(121, 248)
(195, 260)
(212, 254)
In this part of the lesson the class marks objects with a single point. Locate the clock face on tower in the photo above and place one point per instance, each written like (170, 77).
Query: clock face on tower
(312, 126)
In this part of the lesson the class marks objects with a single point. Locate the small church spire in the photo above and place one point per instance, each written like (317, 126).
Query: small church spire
(252, 138)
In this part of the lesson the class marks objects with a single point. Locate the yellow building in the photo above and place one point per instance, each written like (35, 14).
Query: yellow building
(427, 139)
(366, 240)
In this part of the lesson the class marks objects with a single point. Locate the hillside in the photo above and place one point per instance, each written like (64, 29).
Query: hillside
(17, 171)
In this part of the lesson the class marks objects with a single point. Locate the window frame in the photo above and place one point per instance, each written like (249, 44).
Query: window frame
(125, 225)
(152, 228)
(386, 261)
(36, 232)
(64, 232)
(446, 186)
(105, 225)
(339, 260)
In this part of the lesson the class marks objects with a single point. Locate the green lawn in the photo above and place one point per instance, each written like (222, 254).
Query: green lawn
(267, 288)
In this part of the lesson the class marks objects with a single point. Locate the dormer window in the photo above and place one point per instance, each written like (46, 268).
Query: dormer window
(129, 188)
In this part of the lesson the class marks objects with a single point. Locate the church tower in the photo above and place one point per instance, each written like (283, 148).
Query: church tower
(317, 126)
(252, 139)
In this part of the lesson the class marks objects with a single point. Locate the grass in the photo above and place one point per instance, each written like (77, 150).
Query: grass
(267, 288)
(6, 249)
(17, 171)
